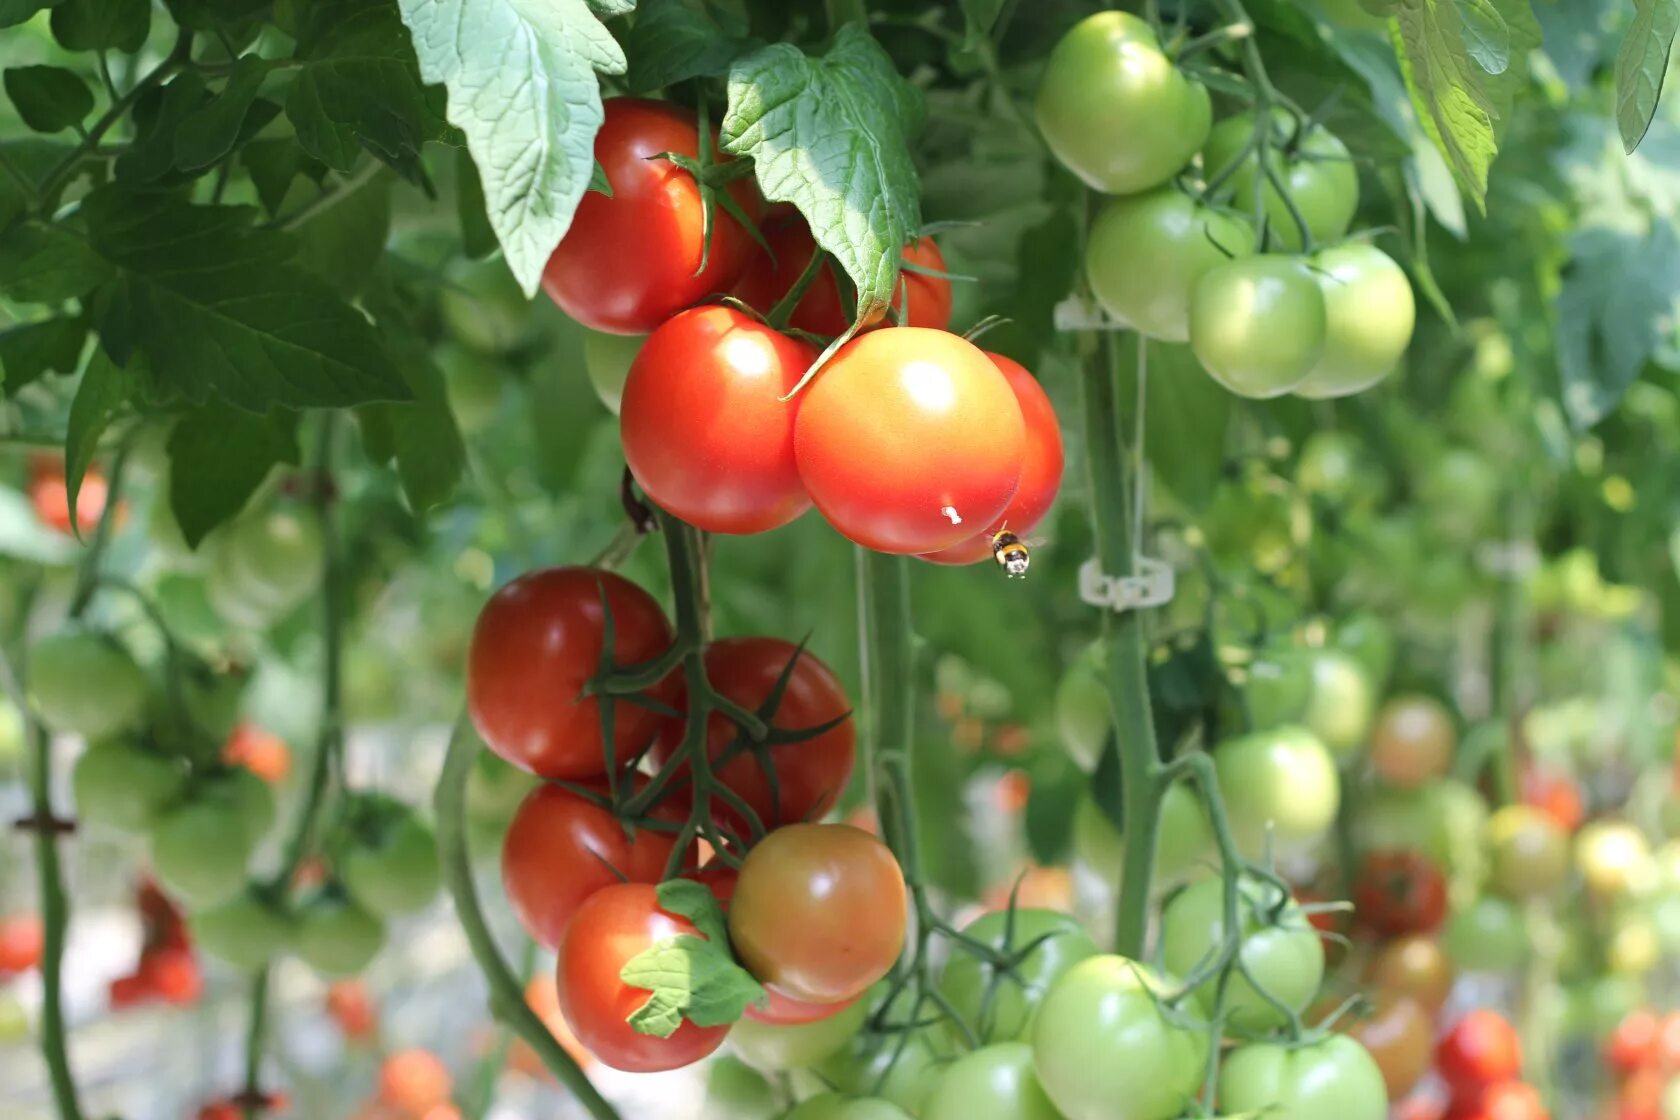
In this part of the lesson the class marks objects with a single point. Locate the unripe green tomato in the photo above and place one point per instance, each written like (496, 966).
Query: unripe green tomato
(122, 785)
(1083, 714)
(736, 1091)
(1489, 935)
(1369, 314)
(395, 872)
(1280, 787)
(1332, 1079)
(1257, 324)
(832, 1106)
(1319, 173)
(1460, 491)
(778, 1047)
(1279, 686)
(336, 937)
(14, 1019)
(1115, 110)
(1331, 464)
(11, 734)
(1060, 943)
(1144, 254)
(473, 383)
(1370, 641)
(607, 359)
(246, 931)
(996, 1082)
(199, 850)
(85, 684)
(1341, 703)
(277, 556)
(1529, 853)
(248, 796)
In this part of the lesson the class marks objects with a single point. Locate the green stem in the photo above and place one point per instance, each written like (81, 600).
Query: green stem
(258, 1025)
(327, 199)
(507, 996)
(87, 575)
(888, 699)
(483, 1092)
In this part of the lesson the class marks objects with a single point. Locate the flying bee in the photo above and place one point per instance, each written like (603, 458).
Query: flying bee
(1011, 553)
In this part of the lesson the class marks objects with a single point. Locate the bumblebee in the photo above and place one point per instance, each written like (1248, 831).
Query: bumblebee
(1011, 553)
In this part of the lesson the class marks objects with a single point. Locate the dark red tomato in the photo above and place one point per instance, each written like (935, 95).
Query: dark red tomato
(1400, 892)
(1502, 1100)
(615, 925)
(910, 441)
(172, 974)
(562, 848)
(1481, 1048)
(810, 774)
(922, 300)
(706, 431)
(631, 261)
(1041, 468)
(1633, 1045)
(1556, 795)
(537, 643)
(21, 938)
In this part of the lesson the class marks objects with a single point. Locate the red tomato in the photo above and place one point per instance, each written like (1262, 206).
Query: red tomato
(1481, 1048)
(50, 495)
(414, 1081)
(1641, 1096)
(1041, 468)
(615, 925)
(537, 643)
(129, 991)
(1633, 1044)
(1400, 892)
(1668, 1043)
(922, 300)
(21, 939)
(810, 774)
(705, 429)
(352, 1008)
(561, 849)
(173, 975)
(631, 261)
(1502, 1100)
(910, 440)
(261, 752)
(1556, 795)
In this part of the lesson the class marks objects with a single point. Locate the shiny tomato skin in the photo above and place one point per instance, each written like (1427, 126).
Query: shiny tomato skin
(561, 848)
(1416, 967)
(1400, 892)
(1481, 1048)
(1257, 324)
(537, 643)
(733, 472)
(910, 440)
(1041, 468)
(1503, 1100)
(921, 300)
(615, 925)
(810, 774)
(629, 262)
(1400, 1036)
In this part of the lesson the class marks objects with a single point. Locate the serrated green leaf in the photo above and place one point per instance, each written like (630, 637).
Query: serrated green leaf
(93, 25)
(218, 310)
(273, 164)
(342, 243)
(34, 159)
(1486, 36)
(208, 133)
(522, 87)
(218, 456)
(831, 135)
(105, 390)
(42, 263)
(48, 98)
(33, 350)
(675, 40)
(478, 239)
(1642, 66)
(1617, 302)
(14, 12)
(690, 977)
(151, 158)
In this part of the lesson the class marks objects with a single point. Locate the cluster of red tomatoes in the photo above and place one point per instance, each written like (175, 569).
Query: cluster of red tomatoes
(1644, 1054)
(816, 912)
(910, 441)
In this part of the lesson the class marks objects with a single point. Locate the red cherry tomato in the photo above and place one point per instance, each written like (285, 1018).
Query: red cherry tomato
(921, 301)
(631, 261)
(615, 925)
(1481, 1048)
(561, 849)
(1502, 1100)
(537, 643)
(414, 1081)
(1041, 468)
(129, 991)
(261, 752)
(706, 431)
(811, 773)
(21, 939)
(173, 975)
(1400, 892)
(1556, 795)
(910, 440)
(1633, 1044)
(352, 1008)
(50, 495)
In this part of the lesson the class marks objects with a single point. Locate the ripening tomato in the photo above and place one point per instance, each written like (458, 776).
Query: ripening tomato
(414, 1081)
(630, 261)
(1633, 1044)
(819, 911)
(1413, 741)
(1145, 252)
(1529, 852)
(910, 440)
(537, 643)
(1315, 165)
(1399, 1034)
(561, 848)
(1414, 966)
(1041, 468)
(352, 1008)
(1399, 892)
(21, 939)
(1369, 315)
(810, 774)
(1480, 1049)
(261, 752)
(735, 472)
(1257, 324)
(615, 925)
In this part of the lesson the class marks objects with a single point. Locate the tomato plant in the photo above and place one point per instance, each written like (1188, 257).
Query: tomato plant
(1400, 892)
(999, 1003)
(1480, 1049)
(1335, 1077)
(1258, 324)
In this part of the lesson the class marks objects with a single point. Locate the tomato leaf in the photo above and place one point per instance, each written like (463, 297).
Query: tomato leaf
(693, 978)
(105, 390)
(14, 12)
(218, 309)
(205, 136)
(1185, 420)
(48, 98)
(422, 436)
(342, 243)
(522, 86)
(831, 135)
(218, 456)
(675, 40)
(1486, 35)
(478, 239)
(47, 263)
(1642, 66)
(32, 350)
(1618, 301)
(273, 164)
(96, 25)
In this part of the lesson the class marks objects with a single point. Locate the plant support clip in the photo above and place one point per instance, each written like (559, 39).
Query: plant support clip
(1151, 584)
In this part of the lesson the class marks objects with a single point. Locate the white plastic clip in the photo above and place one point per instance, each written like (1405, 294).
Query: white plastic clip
(1075, 313)
(1151, 584)
(1507, 559)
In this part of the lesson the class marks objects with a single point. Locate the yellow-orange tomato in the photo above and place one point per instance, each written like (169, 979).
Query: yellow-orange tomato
(1416, 967)
(1400, 1037)
(1413, 741)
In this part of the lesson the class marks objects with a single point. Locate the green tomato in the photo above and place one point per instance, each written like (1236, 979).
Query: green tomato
(1096, 842)
(199, 850)
(736, 1091)
(1083, 714)
(1333, 1079)
(1144, 254)
(248, 796)
(124, 786)
(778, 1047)
(246, 931)
(1257, 324)
(1115, 110)
(1332, 465)
(393, 869)
(996, 1082)
(1370, 641)
(1369, 314)
(832, 1106)
(11, 734)
(1489, 935)
(86, 684)
(278, 556)
(1460, 491)
(1528, 852)
(1280, 788)
(1341, 704)
(878, 1065)
(1317, 169)
(14, 1019)
(607, 359)
(1060, 944)
(1284, 956)
(1279, 686)
(336, 937)
(474, 387)
(1104, 1050)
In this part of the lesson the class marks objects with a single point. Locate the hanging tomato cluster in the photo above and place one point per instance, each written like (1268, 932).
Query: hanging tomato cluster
(911, 441)
(591, 857)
